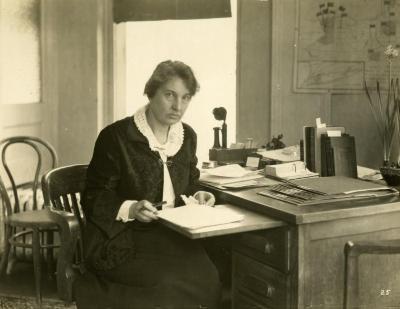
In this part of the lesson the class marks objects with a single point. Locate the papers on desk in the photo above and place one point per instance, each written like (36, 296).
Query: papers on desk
(289, 171)
(287, 154)
(198, 216)
(323, 190)
(230, 171)
(368, 173)
(248, 184)
(228, 174)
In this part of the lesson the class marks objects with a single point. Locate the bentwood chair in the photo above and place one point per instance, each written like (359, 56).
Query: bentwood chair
(28, 228)
(352, 252)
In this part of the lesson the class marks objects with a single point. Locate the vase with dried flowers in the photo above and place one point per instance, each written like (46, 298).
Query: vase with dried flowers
(385, 104)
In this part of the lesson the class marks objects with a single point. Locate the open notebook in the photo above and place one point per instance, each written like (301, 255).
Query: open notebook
(198, 216)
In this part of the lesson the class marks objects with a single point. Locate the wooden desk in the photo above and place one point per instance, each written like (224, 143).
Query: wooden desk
(301, 264)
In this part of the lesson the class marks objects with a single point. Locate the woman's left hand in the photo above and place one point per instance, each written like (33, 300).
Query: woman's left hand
(205, 198)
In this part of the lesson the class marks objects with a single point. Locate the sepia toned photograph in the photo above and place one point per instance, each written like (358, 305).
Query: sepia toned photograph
(199, 154)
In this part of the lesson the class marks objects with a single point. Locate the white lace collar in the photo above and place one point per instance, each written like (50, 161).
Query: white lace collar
(175, 134)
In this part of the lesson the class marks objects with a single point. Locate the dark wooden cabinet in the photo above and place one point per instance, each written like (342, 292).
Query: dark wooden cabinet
(260, 269)
(269, 247)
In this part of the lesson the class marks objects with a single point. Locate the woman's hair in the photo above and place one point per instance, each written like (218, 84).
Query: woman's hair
(167, 70)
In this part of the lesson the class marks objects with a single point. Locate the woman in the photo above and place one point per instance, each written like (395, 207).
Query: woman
(137, 162)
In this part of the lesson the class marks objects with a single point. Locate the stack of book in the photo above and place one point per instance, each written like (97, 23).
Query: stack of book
(327, 150)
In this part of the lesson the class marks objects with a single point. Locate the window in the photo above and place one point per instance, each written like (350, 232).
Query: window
(208, 46)
(19, 52)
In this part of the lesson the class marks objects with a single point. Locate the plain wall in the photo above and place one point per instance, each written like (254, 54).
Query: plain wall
(71, 84)
(253, 71)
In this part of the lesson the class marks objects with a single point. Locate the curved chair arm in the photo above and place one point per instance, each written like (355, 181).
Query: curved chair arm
(69, 235)
(352, 251)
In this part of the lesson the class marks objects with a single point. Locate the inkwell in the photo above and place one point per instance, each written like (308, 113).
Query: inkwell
(220, 114)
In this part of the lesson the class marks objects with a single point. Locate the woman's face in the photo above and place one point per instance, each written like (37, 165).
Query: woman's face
(170, 102)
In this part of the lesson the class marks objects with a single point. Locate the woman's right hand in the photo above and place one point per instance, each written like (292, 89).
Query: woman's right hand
(143, 211)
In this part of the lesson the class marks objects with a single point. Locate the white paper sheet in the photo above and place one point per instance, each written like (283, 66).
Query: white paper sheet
(197, 216)
(231, 171)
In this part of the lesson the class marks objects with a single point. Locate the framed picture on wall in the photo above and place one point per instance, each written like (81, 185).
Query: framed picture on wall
(341, 44)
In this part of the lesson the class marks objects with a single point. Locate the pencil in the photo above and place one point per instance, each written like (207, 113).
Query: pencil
(159, 204)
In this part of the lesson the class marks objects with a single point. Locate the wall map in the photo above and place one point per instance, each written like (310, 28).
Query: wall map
(339, 44)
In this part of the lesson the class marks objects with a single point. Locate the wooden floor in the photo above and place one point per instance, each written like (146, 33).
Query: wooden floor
(21, 283)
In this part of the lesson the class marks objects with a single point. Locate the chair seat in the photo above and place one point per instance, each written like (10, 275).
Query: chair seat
(33, 218)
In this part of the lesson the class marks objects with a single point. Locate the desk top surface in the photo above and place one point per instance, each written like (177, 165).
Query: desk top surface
(294, 214)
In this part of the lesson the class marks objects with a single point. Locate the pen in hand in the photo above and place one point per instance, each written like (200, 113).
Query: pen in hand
(159, 205)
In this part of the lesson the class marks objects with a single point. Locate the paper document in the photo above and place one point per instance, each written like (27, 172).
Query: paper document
(288, 154)
(227, 174)
(198, 216)
(334, 133)
(288, 171)
(231, 170)
(368, 173)
(327, 190)
(255, 183)
(217, 180)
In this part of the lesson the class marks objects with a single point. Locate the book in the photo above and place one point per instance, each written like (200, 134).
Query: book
(318, 132)
(338, 156)
(302, 150)
(198, 216)
(312, 146)
(309, 141)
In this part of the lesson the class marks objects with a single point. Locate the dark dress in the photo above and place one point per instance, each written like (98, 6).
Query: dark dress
(142, 265)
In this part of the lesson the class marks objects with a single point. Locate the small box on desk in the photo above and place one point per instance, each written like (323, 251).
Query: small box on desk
(226, 156)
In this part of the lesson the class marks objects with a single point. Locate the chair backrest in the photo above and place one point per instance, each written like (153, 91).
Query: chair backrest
(62, 188)
(39, 148)
(5, 200)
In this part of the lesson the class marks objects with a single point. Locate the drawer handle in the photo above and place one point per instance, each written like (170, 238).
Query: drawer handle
(268, 248)
(270, 291)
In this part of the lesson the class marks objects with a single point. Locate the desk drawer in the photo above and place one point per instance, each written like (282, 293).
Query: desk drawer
(268, 246)
(262, 284)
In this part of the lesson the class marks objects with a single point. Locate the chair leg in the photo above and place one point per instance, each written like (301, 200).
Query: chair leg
(351, 288)
(6, 249)
(49, 254)
(12, 260)
(36, 264)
